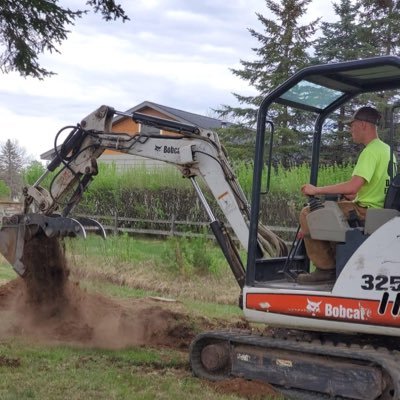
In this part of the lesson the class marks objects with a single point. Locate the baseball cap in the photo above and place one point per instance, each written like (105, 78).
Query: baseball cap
(367, 114)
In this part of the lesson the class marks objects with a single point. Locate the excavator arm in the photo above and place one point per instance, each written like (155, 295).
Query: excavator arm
(195, 152)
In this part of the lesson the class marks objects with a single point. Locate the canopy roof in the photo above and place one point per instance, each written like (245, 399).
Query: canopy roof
(322, 88)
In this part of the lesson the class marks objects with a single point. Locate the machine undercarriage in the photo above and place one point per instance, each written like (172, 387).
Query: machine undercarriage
(303, 365)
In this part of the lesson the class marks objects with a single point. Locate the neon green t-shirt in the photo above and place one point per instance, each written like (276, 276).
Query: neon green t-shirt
(372, 165)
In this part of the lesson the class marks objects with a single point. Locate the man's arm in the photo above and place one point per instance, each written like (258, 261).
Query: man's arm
(349, 188)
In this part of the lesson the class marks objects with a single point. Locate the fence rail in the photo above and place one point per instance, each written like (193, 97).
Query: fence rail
(165, 227)
(8, 208)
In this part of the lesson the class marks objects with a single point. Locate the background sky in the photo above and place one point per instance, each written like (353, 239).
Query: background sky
(173, 52)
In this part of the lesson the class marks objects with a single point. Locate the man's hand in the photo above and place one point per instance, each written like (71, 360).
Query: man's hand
(350, 197)
(309, 190)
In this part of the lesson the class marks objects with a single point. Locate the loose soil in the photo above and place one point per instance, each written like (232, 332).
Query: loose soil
(253, 390)
(47, 307)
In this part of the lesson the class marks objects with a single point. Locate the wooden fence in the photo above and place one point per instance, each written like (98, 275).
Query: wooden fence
(163, 227)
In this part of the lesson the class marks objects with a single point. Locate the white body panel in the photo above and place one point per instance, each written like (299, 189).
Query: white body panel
(364, 299)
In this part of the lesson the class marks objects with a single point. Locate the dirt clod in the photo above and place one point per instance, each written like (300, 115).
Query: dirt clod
(9, 362)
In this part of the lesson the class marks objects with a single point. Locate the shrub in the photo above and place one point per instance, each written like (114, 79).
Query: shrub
(4, 190)
(188, 256)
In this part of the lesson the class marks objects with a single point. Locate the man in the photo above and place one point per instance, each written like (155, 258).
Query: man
(366, 189)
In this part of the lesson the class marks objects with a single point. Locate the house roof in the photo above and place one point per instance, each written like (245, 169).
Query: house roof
(198, 120)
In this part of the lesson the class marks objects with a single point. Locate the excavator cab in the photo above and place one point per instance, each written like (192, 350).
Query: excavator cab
(321, 90)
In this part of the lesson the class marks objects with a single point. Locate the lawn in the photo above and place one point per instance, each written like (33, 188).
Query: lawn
(33, 369)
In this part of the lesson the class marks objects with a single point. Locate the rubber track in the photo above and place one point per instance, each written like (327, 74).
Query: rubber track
(388, 360)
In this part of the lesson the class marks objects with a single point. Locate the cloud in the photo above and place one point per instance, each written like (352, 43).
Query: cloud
(34, 133)
(173, 52)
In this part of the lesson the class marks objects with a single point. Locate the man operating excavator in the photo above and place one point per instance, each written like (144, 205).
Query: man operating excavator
(366, 189)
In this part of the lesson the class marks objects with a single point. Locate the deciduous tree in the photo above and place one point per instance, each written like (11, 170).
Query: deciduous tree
(33, 172)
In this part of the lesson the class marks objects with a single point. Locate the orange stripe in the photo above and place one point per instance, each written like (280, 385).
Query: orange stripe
(324, 307)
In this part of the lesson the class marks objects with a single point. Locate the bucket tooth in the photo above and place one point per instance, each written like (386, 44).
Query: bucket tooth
(92, 226)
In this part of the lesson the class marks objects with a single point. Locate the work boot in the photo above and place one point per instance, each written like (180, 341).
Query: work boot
(318, 276)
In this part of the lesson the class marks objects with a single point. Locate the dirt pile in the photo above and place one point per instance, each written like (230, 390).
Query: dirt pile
(45, 305)
(252, 390)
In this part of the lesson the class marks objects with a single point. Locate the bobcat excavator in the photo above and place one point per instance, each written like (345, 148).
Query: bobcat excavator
(338, 340)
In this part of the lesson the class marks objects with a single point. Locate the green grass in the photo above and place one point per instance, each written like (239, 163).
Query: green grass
(288, 180)
(6, 271)
(125, 248)
(138, 177)
(213, 310)
(193, 269)
(58, 373)
(117, 248)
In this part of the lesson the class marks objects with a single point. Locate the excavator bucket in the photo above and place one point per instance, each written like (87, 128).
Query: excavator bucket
(11, 241)
(20, 228)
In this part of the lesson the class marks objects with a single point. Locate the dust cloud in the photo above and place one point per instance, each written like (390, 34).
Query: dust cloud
(47, 306)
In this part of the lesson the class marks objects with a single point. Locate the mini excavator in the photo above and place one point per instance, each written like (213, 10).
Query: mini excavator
(338, 340)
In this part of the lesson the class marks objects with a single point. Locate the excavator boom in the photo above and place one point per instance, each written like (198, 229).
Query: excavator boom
(195, 152)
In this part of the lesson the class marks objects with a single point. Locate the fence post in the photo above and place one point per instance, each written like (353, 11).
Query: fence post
(116, 223)
(173, 225)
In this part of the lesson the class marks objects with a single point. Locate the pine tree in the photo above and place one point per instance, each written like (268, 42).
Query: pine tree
(365, 28)
(380, 24)
(380, 31)
(28, 28)
(12, 159)
(340, 41)
(283, 50)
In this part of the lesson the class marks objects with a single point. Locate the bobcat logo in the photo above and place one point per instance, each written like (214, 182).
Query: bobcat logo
(265, 306)
(157, 148)
(313, 307)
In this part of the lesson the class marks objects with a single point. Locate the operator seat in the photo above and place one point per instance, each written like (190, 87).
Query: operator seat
(376, 217)
(392, 199)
